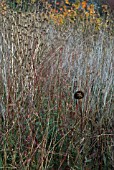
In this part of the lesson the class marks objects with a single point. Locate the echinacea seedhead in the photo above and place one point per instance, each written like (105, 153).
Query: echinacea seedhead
(78, 95)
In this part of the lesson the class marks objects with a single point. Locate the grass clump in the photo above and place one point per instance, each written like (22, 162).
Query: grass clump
(42, 65)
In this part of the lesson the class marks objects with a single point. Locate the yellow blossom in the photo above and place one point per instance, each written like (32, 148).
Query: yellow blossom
(84, 4)
(67, 2)
(76, 6)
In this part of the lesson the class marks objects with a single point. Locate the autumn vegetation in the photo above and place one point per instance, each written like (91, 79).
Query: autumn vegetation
(48, 52)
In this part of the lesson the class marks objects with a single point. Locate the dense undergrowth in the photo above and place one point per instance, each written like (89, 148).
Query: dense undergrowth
(43, 62)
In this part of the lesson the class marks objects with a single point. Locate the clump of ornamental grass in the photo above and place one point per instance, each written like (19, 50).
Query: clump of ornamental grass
(42, 66)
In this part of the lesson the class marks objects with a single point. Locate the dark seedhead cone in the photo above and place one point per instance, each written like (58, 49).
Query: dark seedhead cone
(78, 94)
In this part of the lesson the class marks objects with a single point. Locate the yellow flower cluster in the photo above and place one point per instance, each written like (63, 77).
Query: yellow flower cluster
(65, 11)
(81, 10)
(57, 19)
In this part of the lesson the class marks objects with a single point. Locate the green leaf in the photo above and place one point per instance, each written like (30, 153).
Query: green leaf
(1, 163)
(87, 160)
(104, 159)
